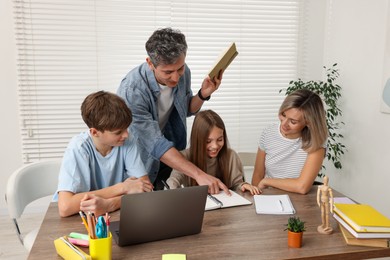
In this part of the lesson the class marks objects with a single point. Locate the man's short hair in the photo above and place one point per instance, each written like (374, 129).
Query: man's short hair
(105, 111)
(165, 46)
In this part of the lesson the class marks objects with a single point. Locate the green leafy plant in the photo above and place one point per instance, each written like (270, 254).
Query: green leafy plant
(330, 92)
(296, 225)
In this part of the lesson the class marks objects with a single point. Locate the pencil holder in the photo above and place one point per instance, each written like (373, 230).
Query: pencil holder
(101, 248)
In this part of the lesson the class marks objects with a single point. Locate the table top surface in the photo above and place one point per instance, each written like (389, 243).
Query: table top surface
(236, 232)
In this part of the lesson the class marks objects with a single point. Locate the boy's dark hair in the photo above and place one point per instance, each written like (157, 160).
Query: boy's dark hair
(105, 111)
(166, 46)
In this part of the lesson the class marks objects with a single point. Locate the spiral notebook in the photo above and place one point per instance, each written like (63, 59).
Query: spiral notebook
(225, 201)
(273, 204)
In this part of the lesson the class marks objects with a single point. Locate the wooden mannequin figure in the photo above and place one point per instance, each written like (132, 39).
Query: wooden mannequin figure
(325, 202)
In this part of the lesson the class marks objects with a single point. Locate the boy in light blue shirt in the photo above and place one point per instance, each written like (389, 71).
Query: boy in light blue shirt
(103, 163)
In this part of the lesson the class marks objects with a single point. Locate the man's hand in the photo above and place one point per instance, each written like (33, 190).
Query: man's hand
(134, 185)
(211, 85)
(215, 184)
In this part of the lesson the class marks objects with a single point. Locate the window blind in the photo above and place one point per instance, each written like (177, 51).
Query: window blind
(70, 48)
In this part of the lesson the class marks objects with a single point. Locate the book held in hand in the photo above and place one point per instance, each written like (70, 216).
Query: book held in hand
(362, 217)
(214, 201)
(273, 204)
(223, 60)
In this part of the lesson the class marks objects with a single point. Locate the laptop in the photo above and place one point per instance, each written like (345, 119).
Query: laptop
(151, 216)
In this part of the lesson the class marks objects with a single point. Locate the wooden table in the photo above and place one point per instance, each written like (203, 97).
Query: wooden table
(236, 233)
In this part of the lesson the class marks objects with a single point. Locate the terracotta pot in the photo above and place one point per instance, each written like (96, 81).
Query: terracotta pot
(294, 239)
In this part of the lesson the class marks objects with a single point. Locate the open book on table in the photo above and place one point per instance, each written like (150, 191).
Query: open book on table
(273, 204)
(226, 200)
(224, 60)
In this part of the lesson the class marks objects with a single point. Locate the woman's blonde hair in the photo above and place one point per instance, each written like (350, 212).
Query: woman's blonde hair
(315, 132)
(201, 128)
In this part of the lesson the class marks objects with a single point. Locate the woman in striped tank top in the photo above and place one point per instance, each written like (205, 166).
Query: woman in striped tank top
(291, 152)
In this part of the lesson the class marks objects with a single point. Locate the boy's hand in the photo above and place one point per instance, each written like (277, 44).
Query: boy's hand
(95, 204)
(134, 185)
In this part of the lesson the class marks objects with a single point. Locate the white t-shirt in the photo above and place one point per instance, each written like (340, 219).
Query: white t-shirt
(165, 105)
(284, 158)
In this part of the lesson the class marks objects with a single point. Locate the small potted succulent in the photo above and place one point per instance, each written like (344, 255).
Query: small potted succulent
(295, 228)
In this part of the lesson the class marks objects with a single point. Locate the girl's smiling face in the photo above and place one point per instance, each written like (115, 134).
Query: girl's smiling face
(215, 142)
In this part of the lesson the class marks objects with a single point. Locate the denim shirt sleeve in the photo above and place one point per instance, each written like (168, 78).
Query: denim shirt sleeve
(140, 91)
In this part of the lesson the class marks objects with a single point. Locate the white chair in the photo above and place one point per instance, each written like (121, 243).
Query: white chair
(27, 184)
(248, 160)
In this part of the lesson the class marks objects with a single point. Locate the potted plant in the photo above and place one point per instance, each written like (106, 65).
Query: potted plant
(330, 92)
(295, 228)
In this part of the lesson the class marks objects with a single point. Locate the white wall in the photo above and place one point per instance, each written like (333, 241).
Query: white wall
(10, 152)
(354, 33)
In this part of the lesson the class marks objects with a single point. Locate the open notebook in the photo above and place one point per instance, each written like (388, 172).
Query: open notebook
(227, 201)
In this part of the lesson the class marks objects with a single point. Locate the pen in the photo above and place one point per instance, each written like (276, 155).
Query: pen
(165, 185)
(281, 205)
(215, 200)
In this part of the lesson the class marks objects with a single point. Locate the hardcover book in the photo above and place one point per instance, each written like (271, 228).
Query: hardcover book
(362, 217)
(360, 234)
(373, 242)
(223, 60)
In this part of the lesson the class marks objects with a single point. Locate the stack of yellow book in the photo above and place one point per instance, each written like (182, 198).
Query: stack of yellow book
(363, 225)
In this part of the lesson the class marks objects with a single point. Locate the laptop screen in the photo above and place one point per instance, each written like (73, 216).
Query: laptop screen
(158, 215)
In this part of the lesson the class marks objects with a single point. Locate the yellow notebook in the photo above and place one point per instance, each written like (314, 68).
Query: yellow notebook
(362, 217)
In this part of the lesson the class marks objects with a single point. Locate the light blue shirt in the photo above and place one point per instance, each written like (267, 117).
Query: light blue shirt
(85, 169)
(140, 91)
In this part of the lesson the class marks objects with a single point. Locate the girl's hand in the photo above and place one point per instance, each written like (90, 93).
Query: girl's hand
(252, 189)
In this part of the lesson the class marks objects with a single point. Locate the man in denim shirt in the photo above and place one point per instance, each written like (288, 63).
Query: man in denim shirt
(158, 92)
